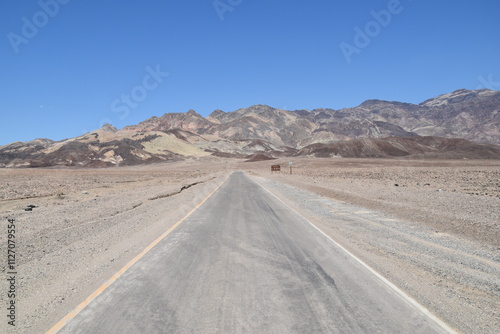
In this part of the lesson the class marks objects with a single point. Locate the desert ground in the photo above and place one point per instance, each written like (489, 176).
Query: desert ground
(431, 227)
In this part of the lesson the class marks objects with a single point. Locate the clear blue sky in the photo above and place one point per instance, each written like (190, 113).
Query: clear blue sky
(74, 70)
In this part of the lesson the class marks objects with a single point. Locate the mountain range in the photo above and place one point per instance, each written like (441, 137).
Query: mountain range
(461, 124)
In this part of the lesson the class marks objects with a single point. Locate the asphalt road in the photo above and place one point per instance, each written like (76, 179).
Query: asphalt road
(244, 262)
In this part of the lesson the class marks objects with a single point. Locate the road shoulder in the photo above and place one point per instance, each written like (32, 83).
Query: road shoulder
(454, 278)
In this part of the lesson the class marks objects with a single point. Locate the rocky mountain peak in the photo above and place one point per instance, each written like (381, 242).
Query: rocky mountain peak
(217, 116)
(43, 141)
(191, 112)
(372, 102)
(260, 108)
(458, 96)
(216, 113)
(109, 128)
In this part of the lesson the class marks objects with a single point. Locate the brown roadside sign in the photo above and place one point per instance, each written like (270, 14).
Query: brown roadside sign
(275, 168)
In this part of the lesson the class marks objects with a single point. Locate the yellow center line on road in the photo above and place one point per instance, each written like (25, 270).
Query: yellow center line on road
(57, 327)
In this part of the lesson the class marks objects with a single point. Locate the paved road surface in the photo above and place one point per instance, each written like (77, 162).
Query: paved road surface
(246, 263)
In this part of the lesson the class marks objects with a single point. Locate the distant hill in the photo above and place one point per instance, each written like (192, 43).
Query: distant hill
(375, 128)
(414, 147)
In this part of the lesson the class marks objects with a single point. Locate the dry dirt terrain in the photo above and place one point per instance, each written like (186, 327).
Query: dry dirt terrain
(430, 227)
(86, 226)
(461, 197)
